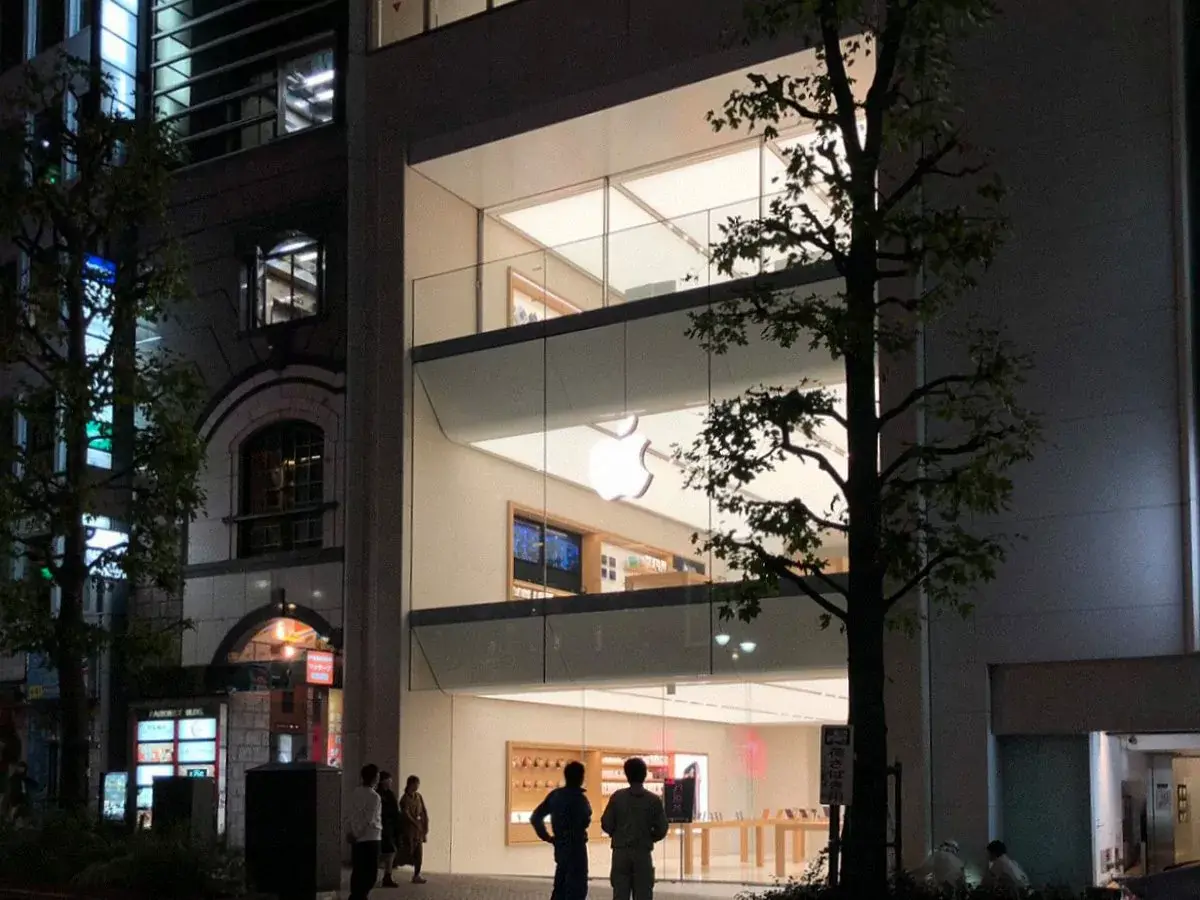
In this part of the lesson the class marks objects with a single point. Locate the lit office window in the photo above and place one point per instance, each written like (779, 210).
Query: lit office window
(286, 282)
(309, 91)
(118, 52)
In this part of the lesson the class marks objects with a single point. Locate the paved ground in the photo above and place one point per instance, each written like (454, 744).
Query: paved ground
(463, 887)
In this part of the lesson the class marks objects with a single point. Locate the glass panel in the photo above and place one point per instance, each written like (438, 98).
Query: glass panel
(309, 91)
(290, 277)
(646, 260)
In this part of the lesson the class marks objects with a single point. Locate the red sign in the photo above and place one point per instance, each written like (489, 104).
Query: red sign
(319, 667)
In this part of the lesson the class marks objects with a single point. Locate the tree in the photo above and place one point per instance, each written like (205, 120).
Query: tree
(103, 469)
(871, 193)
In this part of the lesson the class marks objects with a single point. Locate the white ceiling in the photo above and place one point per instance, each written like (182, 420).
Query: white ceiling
(564, 453)
(623, 138)
(797, 702)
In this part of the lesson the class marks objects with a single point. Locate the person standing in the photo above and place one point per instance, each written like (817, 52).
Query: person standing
(414, 825)
(364, 830)
(570, 815)
(1004, 877)
(635, 820)
(943, 869)
(390, 836)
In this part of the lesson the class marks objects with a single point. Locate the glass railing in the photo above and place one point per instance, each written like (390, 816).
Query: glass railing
(653, 260)
(397, 21)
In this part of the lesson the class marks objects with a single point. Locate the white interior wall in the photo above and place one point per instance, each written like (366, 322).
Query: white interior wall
(1110, 767)
(1187, 834)
(751, 769)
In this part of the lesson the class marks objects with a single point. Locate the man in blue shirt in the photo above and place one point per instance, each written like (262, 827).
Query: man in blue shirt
(570, 815)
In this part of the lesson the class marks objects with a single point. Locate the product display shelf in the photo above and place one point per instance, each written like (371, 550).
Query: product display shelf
(533, 771)
(612, 771)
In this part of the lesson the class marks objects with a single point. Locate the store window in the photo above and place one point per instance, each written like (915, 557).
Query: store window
(12, 33)
(285, 283)
(309, 87)
(283, 489)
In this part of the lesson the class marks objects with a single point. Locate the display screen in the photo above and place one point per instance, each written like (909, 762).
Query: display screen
(156, 730)
(197, 751)
(547, 556)
(147, 774)
(197, 729)
(696, 768)
(145, 797)
(156, 753)
(563, 550)
(196, 771)
(116, 786)
(527, 541)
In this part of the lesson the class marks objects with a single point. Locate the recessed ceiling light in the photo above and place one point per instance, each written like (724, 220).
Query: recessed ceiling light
(319, 78)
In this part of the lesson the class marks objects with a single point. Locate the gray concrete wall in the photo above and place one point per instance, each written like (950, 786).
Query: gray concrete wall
(1076, 101)
(541, 61)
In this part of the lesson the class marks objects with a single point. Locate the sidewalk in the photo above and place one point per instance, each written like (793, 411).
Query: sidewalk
(467, 887)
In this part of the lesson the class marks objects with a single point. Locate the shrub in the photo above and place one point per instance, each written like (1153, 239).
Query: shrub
(167, 868)
(73, 854)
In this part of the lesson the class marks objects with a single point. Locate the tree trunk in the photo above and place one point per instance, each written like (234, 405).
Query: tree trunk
(865, 864)
(75, 719)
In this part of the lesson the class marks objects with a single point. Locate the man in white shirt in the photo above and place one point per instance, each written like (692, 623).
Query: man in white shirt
(364, 828)
(1004, 877)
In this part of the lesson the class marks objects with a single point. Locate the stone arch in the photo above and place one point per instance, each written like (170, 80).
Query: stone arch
(303, 392)
(238, 636)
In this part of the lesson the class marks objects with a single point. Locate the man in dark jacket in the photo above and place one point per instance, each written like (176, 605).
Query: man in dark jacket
(635, 820)
(570, 815)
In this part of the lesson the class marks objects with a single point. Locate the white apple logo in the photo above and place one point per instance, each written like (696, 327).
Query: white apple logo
(617, 465)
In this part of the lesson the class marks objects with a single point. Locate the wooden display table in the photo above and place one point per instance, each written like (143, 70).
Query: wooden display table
(799, 829)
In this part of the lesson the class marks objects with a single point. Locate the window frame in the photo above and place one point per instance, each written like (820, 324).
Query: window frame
(255, 273)
(283, 435)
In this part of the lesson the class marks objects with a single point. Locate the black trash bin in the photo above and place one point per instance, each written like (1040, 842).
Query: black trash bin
(293, 829)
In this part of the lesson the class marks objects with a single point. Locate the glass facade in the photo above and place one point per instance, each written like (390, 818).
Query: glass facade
(628, 237)
(118, 51)
(562, 609)
(563, 605)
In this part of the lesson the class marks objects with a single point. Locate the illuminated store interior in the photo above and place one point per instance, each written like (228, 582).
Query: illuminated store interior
(613, 207)
(752, 747)
(544, 472)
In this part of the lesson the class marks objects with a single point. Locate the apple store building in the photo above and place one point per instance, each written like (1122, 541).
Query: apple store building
(563, 607)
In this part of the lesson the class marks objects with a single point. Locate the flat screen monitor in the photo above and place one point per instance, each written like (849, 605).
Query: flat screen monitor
(549, 556)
